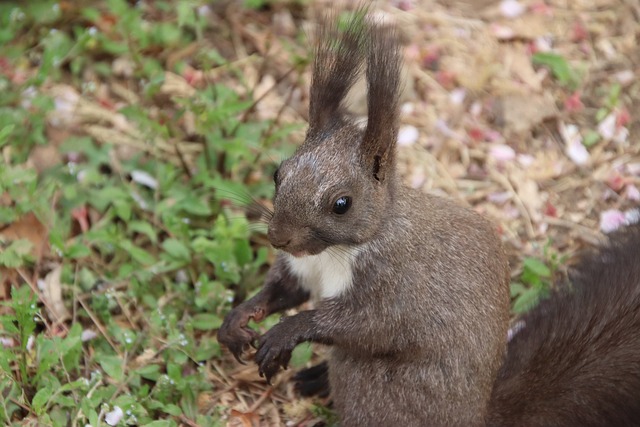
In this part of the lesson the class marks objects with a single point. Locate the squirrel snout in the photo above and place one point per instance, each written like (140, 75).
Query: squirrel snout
(278, 241)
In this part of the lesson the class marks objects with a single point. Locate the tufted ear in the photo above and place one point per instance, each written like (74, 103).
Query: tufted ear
(384, 64)
(339, 60)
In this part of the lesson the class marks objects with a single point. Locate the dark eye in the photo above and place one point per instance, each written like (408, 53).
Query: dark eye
(342, 205)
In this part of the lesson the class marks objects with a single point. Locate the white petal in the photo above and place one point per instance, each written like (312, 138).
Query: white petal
(457, 96)
(624, 77)
(511, 8)
(7, 342)
(577, 152)
(633, 193)
(607, 127)
(633, 168)
(502, 32)
(112, 418)
(143, 178)
(574, 147)
(408, 135)
(525, 160)
(621, 135)
(30, 342)
(502, 153)
(87, 335)
(611, 220)
(632, 216)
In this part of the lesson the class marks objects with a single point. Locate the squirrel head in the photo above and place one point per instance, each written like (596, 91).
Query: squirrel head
(339, 186)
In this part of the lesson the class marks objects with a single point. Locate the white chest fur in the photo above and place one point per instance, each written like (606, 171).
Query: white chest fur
(328, 274)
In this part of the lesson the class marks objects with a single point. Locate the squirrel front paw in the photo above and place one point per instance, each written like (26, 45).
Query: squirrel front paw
(234, 332)
(274, 349)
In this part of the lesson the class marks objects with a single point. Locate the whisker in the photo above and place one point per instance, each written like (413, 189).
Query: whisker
(247, 201)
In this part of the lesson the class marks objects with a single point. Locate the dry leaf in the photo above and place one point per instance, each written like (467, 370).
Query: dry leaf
(28, 227)
(51, 289)
(521, 112)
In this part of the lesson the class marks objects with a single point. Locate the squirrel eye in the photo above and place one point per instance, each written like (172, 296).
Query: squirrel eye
(342, 205)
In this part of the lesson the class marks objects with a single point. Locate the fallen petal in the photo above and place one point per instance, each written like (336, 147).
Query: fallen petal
(112, 418)
(574, 147)
(611, 220)
(143, 178)
(632, 193)
(607, 127)
(87, 335)
(457, 96)
(408, 135)
(511, 8)
(502, 153)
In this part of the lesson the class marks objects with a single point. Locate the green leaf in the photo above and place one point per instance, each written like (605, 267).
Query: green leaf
(558, 66)
(527, 300)
(301, 355)
(112, 366)
(149, 372)
(172, 409)
(159, 423)
(206, 321)
(517, 289)
(145, 228)
(40, 399)
(137, 253)
(537, 267)
(77, 250)
(16, 253)
(208, 349)
(176, 249)
(5, 132)
(591, 138)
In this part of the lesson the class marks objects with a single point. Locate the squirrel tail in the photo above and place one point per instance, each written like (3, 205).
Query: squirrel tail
(576, 359)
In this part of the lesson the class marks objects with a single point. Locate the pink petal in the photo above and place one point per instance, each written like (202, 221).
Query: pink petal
(502, 153)
(632, 192)
(511, 8)
(408, 135)
(611, 220)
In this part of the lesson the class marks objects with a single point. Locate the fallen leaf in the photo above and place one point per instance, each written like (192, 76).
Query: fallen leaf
(51, 289)
(521, 112)
(29, 227)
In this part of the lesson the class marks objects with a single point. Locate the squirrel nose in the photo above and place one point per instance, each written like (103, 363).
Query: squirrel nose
(278, 241)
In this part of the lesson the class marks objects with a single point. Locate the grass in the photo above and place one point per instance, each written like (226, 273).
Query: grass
(112, 312)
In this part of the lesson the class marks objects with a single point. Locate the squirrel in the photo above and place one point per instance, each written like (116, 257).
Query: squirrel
(411, 290)
(574, 359)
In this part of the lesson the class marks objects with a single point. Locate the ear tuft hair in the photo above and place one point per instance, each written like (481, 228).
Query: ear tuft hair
(384, 63)
(339, 61)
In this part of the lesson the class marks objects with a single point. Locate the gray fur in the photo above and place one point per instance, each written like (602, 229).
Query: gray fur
(419, 335)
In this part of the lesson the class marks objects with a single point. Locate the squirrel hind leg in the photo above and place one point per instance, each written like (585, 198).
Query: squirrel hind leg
(313, 381)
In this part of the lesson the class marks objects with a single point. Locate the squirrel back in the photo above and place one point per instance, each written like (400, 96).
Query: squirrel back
(576, 360)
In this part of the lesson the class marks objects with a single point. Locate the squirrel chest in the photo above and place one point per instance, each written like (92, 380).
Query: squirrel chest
(328, 274)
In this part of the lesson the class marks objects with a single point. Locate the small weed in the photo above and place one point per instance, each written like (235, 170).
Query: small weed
(536, 280)
(562, 71)
(114, 306)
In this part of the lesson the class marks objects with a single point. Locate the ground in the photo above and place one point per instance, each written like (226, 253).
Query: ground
(524, 110)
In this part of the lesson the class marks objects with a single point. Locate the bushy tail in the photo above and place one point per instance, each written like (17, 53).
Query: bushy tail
(576, 362)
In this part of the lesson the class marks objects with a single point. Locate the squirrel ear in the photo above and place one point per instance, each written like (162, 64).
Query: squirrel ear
(383, 79)
(339, 60)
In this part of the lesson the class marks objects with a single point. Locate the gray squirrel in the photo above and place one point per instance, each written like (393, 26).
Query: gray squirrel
(411, 290)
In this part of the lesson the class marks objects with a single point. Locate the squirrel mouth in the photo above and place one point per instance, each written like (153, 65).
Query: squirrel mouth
(299, 254)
